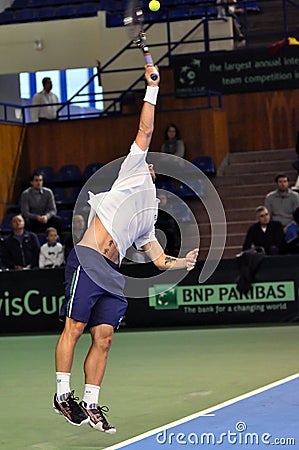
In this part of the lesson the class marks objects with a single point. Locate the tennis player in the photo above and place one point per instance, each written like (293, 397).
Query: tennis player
(94, 297)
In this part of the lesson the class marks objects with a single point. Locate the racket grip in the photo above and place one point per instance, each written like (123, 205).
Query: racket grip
(149, 60)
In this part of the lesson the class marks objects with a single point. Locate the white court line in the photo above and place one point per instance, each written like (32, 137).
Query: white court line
(205, 412)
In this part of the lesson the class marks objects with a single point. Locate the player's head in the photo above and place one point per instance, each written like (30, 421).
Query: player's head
(163, 199)
(78, 223)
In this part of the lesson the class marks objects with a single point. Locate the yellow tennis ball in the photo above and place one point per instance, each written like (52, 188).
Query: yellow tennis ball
(154, 5)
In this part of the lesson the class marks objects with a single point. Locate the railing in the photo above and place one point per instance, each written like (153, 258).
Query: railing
(114, 100)
(20, 114)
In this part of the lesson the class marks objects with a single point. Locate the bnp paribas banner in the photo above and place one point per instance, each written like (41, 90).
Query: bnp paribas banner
(223, 298)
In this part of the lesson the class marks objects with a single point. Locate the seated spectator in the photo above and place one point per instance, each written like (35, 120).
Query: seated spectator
(292, 234)
(21, 247)
(173, 145)
(282, 202)
(78, 229)
(292, 230)
(167, 224)
(52, 252)
(265, 233)
(38, 207)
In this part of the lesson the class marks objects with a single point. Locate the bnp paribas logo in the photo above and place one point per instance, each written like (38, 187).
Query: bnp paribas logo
(163, 296)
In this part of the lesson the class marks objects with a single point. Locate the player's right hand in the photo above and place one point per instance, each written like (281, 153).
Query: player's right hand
(149, 69)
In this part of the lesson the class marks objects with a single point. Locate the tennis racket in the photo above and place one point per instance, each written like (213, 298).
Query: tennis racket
(133, 20)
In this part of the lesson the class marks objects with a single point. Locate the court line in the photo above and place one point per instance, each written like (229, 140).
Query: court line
(204, 413)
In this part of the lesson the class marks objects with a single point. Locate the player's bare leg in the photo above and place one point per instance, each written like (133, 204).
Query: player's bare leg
(94, 367)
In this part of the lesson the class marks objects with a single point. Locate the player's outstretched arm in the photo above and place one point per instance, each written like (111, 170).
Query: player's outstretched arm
(163, 262)
(147, 115)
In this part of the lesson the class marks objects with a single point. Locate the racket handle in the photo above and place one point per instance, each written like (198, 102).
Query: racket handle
(149, 60)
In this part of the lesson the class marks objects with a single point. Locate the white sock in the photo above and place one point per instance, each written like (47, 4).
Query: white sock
(62, 385)
(91, 395)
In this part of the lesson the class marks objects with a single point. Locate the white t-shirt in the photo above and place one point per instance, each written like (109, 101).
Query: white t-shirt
(51, 255)
(129, 209)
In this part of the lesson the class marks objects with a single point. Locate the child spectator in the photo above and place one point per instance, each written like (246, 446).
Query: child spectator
(52, 252)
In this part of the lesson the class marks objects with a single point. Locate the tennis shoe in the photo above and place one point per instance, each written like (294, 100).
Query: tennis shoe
(71, 410)
(97, 419)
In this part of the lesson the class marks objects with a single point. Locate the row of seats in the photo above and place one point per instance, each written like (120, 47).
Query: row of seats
(68, 173)
(39, 10)
(66, 197)
(71, 172)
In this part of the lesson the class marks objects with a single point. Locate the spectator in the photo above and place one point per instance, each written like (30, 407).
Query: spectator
(228, 8)
(47, 101)
(38, 207)
(78, 229)
(265, 233)
(52, 252)
(21, 247)
(292, 234)
(168, 225)
(282, 202)
(173, 145)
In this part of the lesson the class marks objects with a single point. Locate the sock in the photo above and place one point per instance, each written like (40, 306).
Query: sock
(91, 395)
(63, 385)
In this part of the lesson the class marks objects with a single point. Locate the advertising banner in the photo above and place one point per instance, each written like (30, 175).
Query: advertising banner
(252, 70)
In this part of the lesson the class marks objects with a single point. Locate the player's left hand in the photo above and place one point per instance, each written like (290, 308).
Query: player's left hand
(191, 258)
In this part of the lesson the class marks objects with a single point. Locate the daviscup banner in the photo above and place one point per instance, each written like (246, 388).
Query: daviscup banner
(30, 299)
(252, 70)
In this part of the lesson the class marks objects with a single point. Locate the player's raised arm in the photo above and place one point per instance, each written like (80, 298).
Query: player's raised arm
(147, 115)
(164, 262)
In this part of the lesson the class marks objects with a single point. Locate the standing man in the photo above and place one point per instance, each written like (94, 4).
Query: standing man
(282, 202)
(94, 297)
(265, 233)
(45, 103)
(38, 207)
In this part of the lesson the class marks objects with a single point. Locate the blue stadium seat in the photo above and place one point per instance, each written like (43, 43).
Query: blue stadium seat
(66, 216)
(69, 172)
(90, 170)
(47, 173)
(196, 189)
(5, 226)
(61, 196)
(205, 164)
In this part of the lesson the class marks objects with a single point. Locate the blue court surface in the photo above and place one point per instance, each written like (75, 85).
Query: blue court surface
(265, 418)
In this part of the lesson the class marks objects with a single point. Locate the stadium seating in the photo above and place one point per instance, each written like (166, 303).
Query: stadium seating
(205, 164)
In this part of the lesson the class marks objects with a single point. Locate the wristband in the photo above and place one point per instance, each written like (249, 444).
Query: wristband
(151, 94)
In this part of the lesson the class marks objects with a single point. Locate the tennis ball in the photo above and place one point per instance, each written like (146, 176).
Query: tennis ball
(154, 5)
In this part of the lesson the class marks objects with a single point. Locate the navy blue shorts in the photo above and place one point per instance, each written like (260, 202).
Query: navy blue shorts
(89, 298)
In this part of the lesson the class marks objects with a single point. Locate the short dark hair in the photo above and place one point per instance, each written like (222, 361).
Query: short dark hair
(48, 230)
(36, 174)
(260, 209)
(281, 175)
(45, 80)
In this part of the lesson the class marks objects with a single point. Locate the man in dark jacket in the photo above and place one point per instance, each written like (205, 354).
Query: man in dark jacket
(265, 233)
(21, 247)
